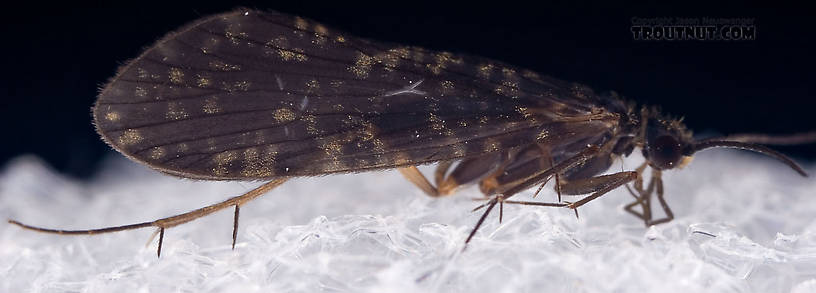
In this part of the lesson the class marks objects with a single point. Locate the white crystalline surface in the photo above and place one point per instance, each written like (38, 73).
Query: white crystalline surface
(375, 232)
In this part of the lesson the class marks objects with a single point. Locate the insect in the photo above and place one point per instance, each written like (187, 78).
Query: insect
(252, 95)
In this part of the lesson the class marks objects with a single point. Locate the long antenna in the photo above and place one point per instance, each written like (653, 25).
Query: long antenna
(712, 143)
(790, 139)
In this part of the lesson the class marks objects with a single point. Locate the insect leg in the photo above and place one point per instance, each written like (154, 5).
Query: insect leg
(467, 171)
(546, 161)
(600, 185)
(669, 215)
(492, 203)
(172, 221)
(532, 180)
(639, 182)
(475, 169)
(644, 202)
(545, 174)
(414, 176)
(557, 182)
(595, 184)
(235, 225)
(518, 166)
(443, 185)
(643, 198)
(441, 171)
(161, 241)
(629, 207)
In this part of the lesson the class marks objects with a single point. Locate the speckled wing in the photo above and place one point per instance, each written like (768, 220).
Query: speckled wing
(257, 95)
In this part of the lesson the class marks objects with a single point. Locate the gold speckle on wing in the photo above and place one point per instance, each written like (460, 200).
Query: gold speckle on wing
(362, 66)
(224, 157)
(321, 30)
(141, 73)
(491, 145)
(319, 40)
(442, 60)
(336, 165)
(351, 120)
(389, 59)
(379, 145)
(508, 88)
(447, 86)
(235, 86)
(320, 35)
(312, 86)
(367, 132)
(284, 115)
(331, 147)
(311, 124)
(176, 75)
(222, 160)
(509, 73)
(140, 92)
(157, 153)
(402, 159)
(458, 149)
(531, 75)
(436, 122)
(257, 164)
(112, 116)
(483, 120)
(361, 162)
(485, 69)
(432, 104)
(435, 68)
(202, 81)
(523, 111)
(130, 137)
(340, 39)
(453, 59)
(175, 111)
(235, 37)
(277, 43)
(301, 23)
(337, 107)
(295, 54)
(401, 52)
(211, 105)
(544, 134)
(439, 125)
(222, 66)
(260, 137)
(211, 146)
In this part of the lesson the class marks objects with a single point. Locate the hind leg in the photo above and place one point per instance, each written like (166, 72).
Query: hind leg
(467, 171)
(417, 178)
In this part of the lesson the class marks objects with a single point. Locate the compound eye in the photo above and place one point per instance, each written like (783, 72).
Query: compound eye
(664, 152)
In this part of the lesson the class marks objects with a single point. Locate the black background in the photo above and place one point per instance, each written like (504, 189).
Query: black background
(56, 57)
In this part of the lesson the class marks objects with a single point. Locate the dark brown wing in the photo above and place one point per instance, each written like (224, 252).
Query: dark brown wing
(255, 95)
